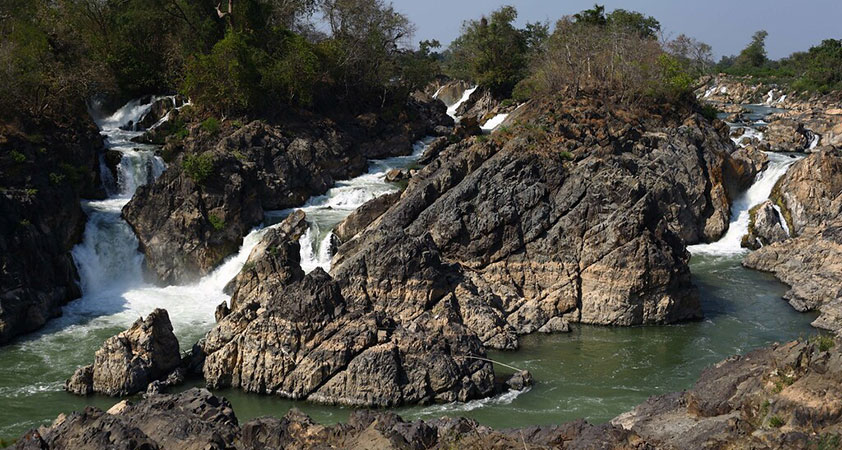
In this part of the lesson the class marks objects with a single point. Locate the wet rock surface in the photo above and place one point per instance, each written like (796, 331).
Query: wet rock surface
(127, 363)
(766, 226)
(782, 397)
(46, 168)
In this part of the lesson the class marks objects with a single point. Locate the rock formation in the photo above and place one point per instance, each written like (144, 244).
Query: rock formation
(784, 397)
(198, 211)
(297, 336)
(765, 226)
(128, 362)
(46, 167)
(585, 224)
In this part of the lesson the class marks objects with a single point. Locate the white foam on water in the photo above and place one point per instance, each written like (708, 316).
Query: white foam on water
(438, 410)
(814, 142)
(756, 194)
(746, 138)
(494, 122)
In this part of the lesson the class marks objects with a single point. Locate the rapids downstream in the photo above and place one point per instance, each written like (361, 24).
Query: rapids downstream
(594, 372)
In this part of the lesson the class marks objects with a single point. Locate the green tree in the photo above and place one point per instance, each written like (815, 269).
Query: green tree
(754, 55)
(492, 52)
(645, 26)
(225, 81)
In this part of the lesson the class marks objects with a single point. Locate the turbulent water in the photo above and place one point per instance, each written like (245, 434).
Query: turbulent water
(593, 372)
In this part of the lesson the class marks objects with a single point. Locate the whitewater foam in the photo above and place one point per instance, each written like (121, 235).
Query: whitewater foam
(756, 194)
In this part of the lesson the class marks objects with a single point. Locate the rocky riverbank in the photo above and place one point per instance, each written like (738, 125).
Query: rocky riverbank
(224, 176)
(810, 198)
(46, 167)
(781, 397)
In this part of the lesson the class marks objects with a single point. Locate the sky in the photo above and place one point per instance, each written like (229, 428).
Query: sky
(727, 25)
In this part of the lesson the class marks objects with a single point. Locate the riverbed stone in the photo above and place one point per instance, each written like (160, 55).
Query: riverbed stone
(765, 226)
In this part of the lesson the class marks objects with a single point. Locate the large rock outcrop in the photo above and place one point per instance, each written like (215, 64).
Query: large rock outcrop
(585, 221)
(196, 214)
(782, 397)
(810, 197)
(127, 363)
(46, 167)
(297, 336)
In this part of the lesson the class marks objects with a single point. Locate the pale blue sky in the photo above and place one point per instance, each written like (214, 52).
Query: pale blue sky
(727, 25)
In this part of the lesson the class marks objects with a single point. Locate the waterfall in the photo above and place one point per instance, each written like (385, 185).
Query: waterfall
(451, 110)
(756, 194)
(324, 212)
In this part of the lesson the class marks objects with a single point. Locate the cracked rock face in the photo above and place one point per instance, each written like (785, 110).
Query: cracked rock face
(128, 362)
(765, 226)
(518, 237)
(299, 336)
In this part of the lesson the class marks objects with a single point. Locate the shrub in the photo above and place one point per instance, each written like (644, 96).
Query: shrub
(198, 167)
(709, 112)
(56, 179)
(566, 156)
(776, 422)
(216, 222)
(824, 342)
(210, 125)
(17, 156)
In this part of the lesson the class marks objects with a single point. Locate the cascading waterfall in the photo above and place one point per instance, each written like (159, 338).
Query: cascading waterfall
(758, 192)
(324, 212)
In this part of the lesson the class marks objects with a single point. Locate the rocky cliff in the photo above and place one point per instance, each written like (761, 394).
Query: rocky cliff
(578, 214)
(46, 167)
(222, 180)
(782, 397)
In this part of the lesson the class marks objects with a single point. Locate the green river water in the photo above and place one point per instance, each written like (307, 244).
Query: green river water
(594, 373)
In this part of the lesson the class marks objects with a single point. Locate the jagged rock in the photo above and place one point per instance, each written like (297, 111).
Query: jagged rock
(364, 216)
(787, 136)
(191, 420)
(555, 325)
(520, 380)
(831, 317)
(273, 263)
(382, 362)
(743, 401)
(810, 263)
(128, 362)
(397, 175)
(451, 92)
(186, 225)
(433, 149)
(765, 226)
(46, 168)
(516, 237)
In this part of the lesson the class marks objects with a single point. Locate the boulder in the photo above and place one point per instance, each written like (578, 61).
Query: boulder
(831, 317)
(364, 216)
(787, 136)
(765, 226)
(128, 362)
